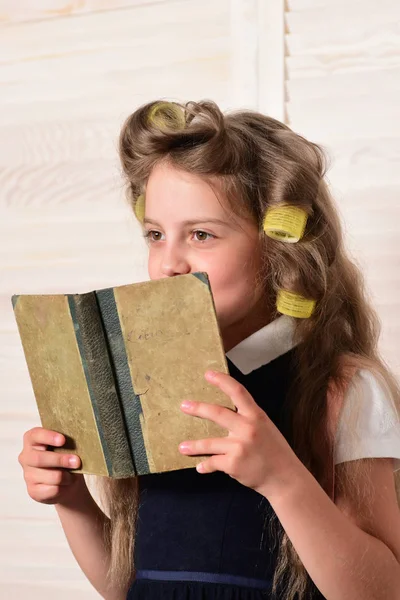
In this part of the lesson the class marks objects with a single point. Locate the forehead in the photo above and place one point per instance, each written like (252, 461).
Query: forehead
(189, 195)
(168, 184)
(165, 174)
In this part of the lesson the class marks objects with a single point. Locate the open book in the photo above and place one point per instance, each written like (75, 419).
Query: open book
(109, 369)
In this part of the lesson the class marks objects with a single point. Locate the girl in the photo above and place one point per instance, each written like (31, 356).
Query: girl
(298, 501)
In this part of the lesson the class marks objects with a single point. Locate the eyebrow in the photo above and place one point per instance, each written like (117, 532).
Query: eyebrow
(192, 221)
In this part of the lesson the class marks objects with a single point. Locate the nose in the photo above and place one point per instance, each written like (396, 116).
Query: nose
(174, 262)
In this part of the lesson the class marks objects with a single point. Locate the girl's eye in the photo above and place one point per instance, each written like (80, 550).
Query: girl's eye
(203, 233)
(148, 235)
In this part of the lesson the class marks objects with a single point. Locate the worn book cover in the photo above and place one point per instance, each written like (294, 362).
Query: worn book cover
(109, 369)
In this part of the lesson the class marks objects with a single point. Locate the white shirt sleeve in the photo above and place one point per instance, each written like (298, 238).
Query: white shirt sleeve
(376, 432)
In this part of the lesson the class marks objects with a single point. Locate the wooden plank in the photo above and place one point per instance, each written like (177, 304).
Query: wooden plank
(11, 472)
(53, 575)
(31, 532)
(13, 426)
(45, 553)
(305, 5)
(15, 503)
(305, 86)
(271, 63)
(374, 166)
(186, 19)
(40, 242)
(38, 143)
(328, 19)
(245, 42)
(336, 120)
(25, 10)
(124, 62)
(77, 277)
(343, 92)
(7, 322)
(19, 394)
(352, 47)
(13, 588)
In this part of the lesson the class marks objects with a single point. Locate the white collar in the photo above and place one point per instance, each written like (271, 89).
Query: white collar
(264, 346)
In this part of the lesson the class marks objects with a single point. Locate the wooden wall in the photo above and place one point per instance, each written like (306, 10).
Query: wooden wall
(343, 91)
(70, 72)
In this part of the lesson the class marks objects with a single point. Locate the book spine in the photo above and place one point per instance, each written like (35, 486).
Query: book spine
(130, 401)
(92, 344)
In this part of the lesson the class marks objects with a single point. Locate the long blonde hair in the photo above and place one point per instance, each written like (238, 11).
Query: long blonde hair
(259, 162)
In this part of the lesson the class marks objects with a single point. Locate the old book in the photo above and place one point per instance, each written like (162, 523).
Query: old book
(109, 369)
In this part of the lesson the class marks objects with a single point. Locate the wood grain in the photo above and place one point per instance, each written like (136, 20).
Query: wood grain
(343, 89)
(26, 10)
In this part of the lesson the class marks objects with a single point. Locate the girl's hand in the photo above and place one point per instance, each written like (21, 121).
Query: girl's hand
(254, 452)
(45, 474)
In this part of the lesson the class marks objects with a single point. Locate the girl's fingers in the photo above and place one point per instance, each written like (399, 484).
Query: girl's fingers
(207, 446)
(248, 410)
(47, 477)
(241, 398)
(225, 417)
(48, 459)
(212, 464)
(44, 493)
(38, 436)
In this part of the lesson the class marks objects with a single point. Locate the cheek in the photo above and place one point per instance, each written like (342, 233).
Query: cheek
(233, 290)
(152, 268)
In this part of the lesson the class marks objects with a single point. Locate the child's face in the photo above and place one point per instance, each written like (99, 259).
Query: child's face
(229, 251)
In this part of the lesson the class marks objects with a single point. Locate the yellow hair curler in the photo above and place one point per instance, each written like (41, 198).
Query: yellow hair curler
(294, 305)
(139, 208)
(285, 223)
(168, 115)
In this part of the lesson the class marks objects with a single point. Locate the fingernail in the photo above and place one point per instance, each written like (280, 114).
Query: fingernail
(211, 374)
(73, 461)
(184, 446)
(186, 404)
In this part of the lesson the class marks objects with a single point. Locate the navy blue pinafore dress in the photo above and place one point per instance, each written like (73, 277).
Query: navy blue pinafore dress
(203, 537)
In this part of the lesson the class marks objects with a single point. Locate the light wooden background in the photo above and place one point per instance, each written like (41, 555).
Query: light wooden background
(70, 72)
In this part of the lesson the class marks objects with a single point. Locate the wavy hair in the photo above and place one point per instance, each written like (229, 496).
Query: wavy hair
(258, 162)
